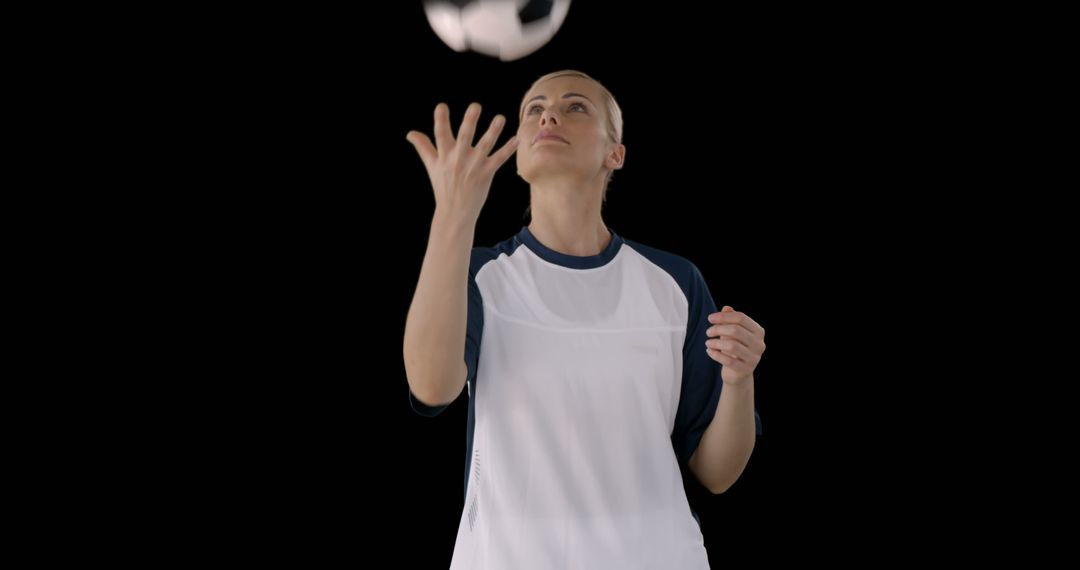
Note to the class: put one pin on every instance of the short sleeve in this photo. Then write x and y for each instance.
(701, 383)
(473, 331)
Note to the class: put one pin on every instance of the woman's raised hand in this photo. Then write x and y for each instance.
(461, 172)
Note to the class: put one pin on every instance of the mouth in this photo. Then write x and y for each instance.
(549, 137)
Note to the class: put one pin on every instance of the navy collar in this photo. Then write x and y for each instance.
(570, 261)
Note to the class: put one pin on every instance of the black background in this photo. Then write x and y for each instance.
(755, 148)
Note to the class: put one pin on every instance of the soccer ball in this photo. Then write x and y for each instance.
(506, 29)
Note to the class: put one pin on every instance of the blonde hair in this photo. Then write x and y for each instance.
(614, 114)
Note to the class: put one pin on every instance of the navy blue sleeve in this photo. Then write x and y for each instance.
(474, 329)
(701, 383)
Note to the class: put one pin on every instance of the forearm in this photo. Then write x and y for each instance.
(435, 327)
(728, 442)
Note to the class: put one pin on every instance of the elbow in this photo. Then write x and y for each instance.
(714, 482)
(718, 488)
(429, 397)
(723, 480)
(431, 387)
(424, 389)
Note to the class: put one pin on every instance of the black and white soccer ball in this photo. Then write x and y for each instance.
(506, 29)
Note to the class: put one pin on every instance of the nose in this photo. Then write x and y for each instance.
(548, 116)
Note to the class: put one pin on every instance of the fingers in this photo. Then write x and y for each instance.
(753, 342)
(736, 318)
(423, 146)
(445, 142)
(732, 348)
(488, 140)
(721, 357)
(734, 331)
(444, 137)
(468, 125)
(737, 343)
(504, 153)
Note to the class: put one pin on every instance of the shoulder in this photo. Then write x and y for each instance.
(680, 268)
(481, 256)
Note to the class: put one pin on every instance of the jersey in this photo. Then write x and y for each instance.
(588, 383)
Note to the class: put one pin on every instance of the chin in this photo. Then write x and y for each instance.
(524, 172)
(536, 173)
(545, 162)
(532, 170)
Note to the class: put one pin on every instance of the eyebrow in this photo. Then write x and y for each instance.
(565, 96)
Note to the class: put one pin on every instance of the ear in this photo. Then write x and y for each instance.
(616, 156)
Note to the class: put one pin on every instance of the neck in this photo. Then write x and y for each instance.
(566, 218)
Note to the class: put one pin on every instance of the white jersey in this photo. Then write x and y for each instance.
(588, 383)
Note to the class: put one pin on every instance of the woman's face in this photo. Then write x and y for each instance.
(563, 131)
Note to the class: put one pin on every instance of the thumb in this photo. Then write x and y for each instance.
(727, 309)
(423, 146)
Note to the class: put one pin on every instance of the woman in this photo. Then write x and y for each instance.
(594, 364)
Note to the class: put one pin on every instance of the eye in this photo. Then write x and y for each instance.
(577, 106)
(533, 109)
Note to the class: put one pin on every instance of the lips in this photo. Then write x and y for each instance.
(548, 136)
